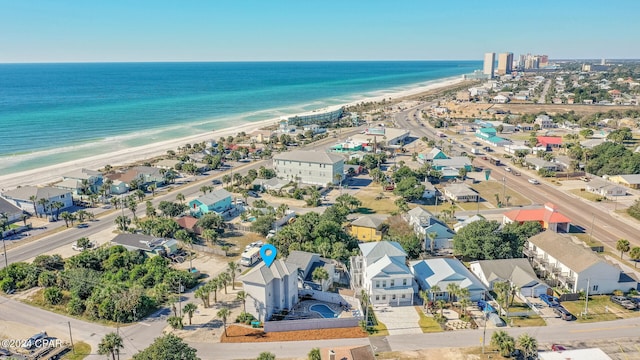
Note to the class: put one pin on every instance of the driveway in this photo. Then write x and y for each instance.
(399, 320)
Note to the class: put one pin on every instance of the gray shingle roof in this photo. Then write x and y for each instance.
(263, 275)
(518, 271)
(214, 196)
(460, 190)
(318, 157)
(302, 259)
(574, 256)
(631, 179)
(8, 208)
(373, 251)
(81, 174)
(24, 193)
(372, 222)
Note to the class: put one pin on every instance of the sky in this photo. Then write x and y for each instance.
(306, 30)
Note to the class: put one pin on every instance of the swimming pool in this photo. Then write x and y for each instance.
(323, 310)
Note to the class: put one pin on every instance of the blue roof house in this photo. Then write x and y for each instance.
(217, 201)
(444, 271)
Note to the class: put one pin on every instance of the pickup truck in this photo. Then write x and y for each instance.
(624, 302)
(551, 301)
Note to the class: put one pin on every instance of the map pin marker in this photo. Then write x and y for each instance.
(268, 253)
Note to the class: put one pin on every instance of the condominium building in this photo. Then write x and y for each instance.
(505, 62)
(489, 64)
(309, 167)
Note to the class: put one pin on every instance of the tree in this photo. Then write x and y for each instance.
(175, 322)
(623, 246)
(190, 308)
(233, 269)
(634, 255)
(528, 344)
(34, 201)
(266, 356)
(314, 354)
(424, 295)
(505, 343)
(434, 291)
(123, 222)
(223, 314)
(66, 216)
(242, 296)
(152, 188)
(453, 289)
(53, 295)
(111, 345)
(83, 243)
(132, 205)
(168, 347)
(320, 275)
(180, 197)
(503, 290)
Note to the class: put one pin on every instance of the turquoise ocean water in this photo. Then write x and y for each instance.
(51, 113)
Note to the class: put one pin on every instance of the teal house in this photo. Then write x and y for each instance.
(456, 163)
(217, 201)
(434, 154)
(490, 136)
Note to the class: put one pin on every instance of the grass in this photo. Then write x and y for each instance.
(371, 205)
(239, 240)
(586, 194)
(80, 351)
(488, 189)
(470, 206)
(427, 324)
(600, 309)
(590, 241)
(380, 330)
(525, 321)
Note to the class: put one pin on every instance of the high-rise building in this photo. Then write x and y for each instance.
(505, 62)
(489, 64)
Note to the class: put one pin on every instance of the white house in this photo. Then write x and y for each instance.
(22, 197)
(573, 266)
(605, 188)
(12, 212)
(310, 167)
(444, 271)
(461, 193)
(382, 273)
(544, 121)
(79, 179)
(517, 272)
(270, 289)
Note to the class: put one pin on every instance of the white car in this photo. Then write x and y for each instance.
(534, 181)
(507, 169)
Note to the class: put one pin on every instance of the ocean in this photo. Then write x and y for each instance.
(51, 113)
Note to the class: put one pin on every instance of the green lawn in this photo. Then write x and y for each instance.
(80, 351)
(488, 189)
(371, 203)
(524, 321)
(380, 330)
(470, 206)
(600, 309)
(586, 194)
(427, 324)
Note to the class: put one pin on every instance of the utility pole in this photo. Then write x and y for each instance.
(4, 246)
(586, 298)
(504, 188)
(484, 332)
(71, 338)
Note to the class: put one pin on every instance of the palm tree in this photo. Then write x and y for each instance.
(424, 295)
(432, 241)
(502, 290)
(233, 269)
(180, 198)
(139, 194)
(226, 179)
(453, 290)
(223, 314)
(506, 199)
(281, 211)
(57, 205)
(634, 255)
(242, 296)
(441, 304)
(34, 201)
(111, 344)
(505, 343)
(225, 279)
(66, 216)
(82, 214)
(528, 344)
(44, 202)
(152, 188)
(434, 291)
(175, 322)
(132, 205)
(123, 222)
(623, 246)
(214, 285)
(190, 308)
(464, 304)
(205, 189)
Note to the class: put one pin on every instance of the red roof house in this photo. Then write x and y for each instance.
(548, 216)
(189, 223)
(549, 141)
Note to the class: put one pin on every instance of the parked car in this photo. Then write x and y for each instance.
(82, 225)
(216, 182)
(507, 169)
(557, 347)
(34, 341)
(563, 313)
(533, 181)
(551, 301)
(253, 194)
(624, 302)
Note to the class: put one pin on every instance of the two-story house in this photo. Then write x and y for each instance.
(309, 167)
(307, 263)
(381, 271)
(270, 289)
(433, 234)
(81, 181)
(367, 228)
(544, 122)
(574, 266)
(27, 197)
(218, 201)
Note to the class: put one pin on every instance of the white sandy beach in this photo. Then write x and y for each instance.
(53, 173)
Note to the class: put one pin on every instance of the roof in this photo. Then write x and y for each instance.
(138, 241)
(497, 139)
(518, 271)
(631, 179)
(70, 183)
(487, 130)
(433, 153)
(456, 161)
(597, 183)
(460, 190)
(302, 259)
(418, 212)
(263, 274)
(8, 208)
(459, 225)
(549, 214)
(319, 157)
(25, 192)
(550, 140)
(542, 163)
(373, 251)
(442, 231)
(148, 170)
(349, 353)
(386, 266)
(187, 222)
(591, 354)
(214, 196)
(81, 174)
(574, 256)
(368, 221)
(443, 271)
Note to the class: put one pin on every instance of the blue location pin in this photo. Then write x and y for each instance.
(268, 253)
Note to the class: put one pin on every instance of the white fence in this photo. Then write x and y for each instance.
(309, 324)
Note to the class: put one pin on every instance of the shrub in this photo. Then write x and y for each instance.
(53, 295)
(245, 318)
(75, 306)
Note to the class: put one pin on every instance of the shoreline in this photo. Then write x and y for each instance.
(51, 173)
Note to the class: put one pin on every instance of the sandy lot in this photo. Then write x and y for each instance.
(240, 334)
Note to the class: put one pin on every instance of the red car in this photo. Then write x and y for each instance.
(556, 347)
(389, 187)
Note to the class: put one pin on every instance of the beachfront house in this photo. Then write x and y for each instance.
(144, 175)
(12, 212)
(81, 181)
(217, 201)
(270, 289)
(309, 167)
(381, 272)
(574, 266)
(29, 197)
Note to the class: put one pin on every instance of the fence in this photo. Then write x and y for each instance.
(208, 250)
(309, 324)
(239, 227)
